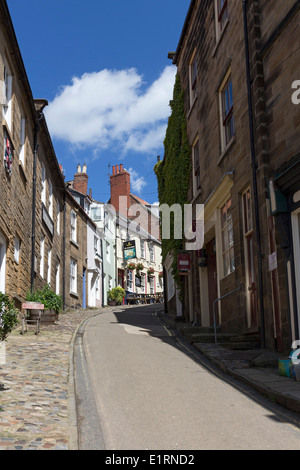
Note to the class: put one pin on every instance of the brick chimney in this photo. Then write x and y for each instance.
(81, 180)
(120, 186)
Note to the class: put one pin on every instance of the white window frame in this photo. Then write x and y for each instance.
(151, 252)
(50, 199)
(49, 261)
(73, 276)
(73, 226)
(143, 251)
(57, 279)
(221, 16)
(42, 257)
(58, 217)
(17, 249)
(226, 115)
(227, 240)
(129, 280)
(43, 189)
(152, 284)
(2, 263)
(22, 139)
(7, 94)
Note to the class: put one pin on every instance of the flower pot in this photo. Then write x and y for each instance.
(112, 303)
(48, 317)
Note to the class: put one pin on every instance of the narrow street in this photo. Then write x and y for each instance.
(139, 388)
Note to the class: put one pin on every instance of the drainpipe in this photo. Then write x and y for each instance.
(254, 177)
(35, 148)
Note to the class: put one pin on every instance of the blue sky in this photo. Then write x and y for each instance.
(104, 69)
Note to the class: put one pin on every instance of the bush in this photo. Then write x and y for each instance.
(8, 316)
(47, 297)
(116, 294)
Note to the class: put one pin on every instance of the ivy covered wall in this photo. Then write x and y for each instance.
(173, 172)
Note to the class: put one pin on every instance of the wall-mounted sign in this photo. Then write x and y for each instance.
(129, 249)
(184, 262)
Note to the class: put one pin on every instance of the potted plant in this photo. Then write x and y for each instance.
(115, 295)
(131, 266)
(8, 316)
(150, 271)
(139, 267)
(52, 303)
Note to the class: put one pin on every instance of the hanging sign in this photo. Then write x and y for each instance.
(129, 249)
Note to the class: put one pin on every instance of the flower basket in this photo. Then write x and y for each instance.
(139, 266)
(161, 274)
(150, 271)
(131, 266)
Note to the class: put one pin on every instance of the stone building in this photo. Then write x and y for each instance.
(237, 62)
(43, 230)
(31, 182)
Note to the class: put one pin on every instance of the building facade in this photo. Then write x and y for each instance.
(237, 70)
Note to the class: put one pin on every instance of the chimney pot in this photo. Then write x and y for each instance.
(114, 170)
(117, 168)
(78, 168)
(121, 167)
(84, 168)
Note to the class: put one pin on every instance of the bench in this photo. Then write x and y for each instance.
(25, 320)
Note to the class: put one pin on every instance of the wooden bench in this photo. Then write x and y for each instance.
(25, 320)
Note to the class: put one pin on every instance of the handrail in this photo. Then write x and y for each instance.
(214, 311)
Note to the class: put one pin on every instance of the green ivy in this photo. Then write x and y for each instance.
(173, 173)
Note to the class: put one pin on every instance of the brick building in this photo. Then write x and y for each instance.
(237, 61)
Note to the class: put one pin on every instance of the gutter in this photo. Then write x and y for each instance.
(254, 178)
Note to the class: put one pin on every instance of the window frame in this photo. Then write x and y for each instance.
(196, 168)
(193, 78)
(73, 225)
(73, 276)
(226, 103)
(227, 239)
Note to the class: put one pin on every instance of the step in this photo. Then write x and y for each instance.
(247, 338)
(241, 346)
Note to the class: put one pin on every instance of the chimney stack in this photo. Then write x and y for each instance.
(80, 183)
(120, 186)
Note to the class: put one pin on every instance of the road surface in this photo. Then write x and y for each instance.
(140, 388)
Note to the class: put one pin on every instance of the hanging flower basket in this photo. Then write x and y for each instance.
(131, 266)
(150, 271)
(139, 266)
(161, 274)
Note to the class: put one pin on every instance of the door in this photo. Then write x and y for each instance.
(2, 264)
(212, 279)
(251, 291)
(84, 288)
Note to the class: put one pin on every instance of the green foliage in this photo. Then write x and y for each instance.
(117, 294)
(8, 316)
(47, 297)
(173, 173)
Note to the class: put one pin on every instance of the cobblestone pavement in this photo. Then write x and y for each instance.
(35, 386)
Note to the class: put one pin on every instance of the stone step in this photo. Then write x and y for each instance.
(247, 338)
(241, 346)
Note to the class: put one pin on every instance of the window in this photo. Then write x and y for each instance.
(8, 153)
(43, 190)
(42, 256)
(227, 239)
(50, 202)
(227, 124)
(107, 251)
(57, 276)
(22, 140)
(7, 93)
(129, 280)
(221, 16)
(73, 276)
(96, 243)
(143, 283)
(96, 213)
(196, 163)
(58, 217)
(73, 226)
(152, 281)
(151, 251)
(49, 266)
(17, 249)
(193, 78)
(142, 242)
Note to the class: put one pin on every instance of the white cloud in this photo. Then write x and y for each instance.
(112, 107)
(137, 182)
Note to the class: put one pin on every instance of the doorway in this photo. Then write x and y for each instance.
(212, 279)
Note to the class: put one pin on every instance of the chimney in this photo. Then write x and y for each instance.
(80, 183)
(120, 186)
